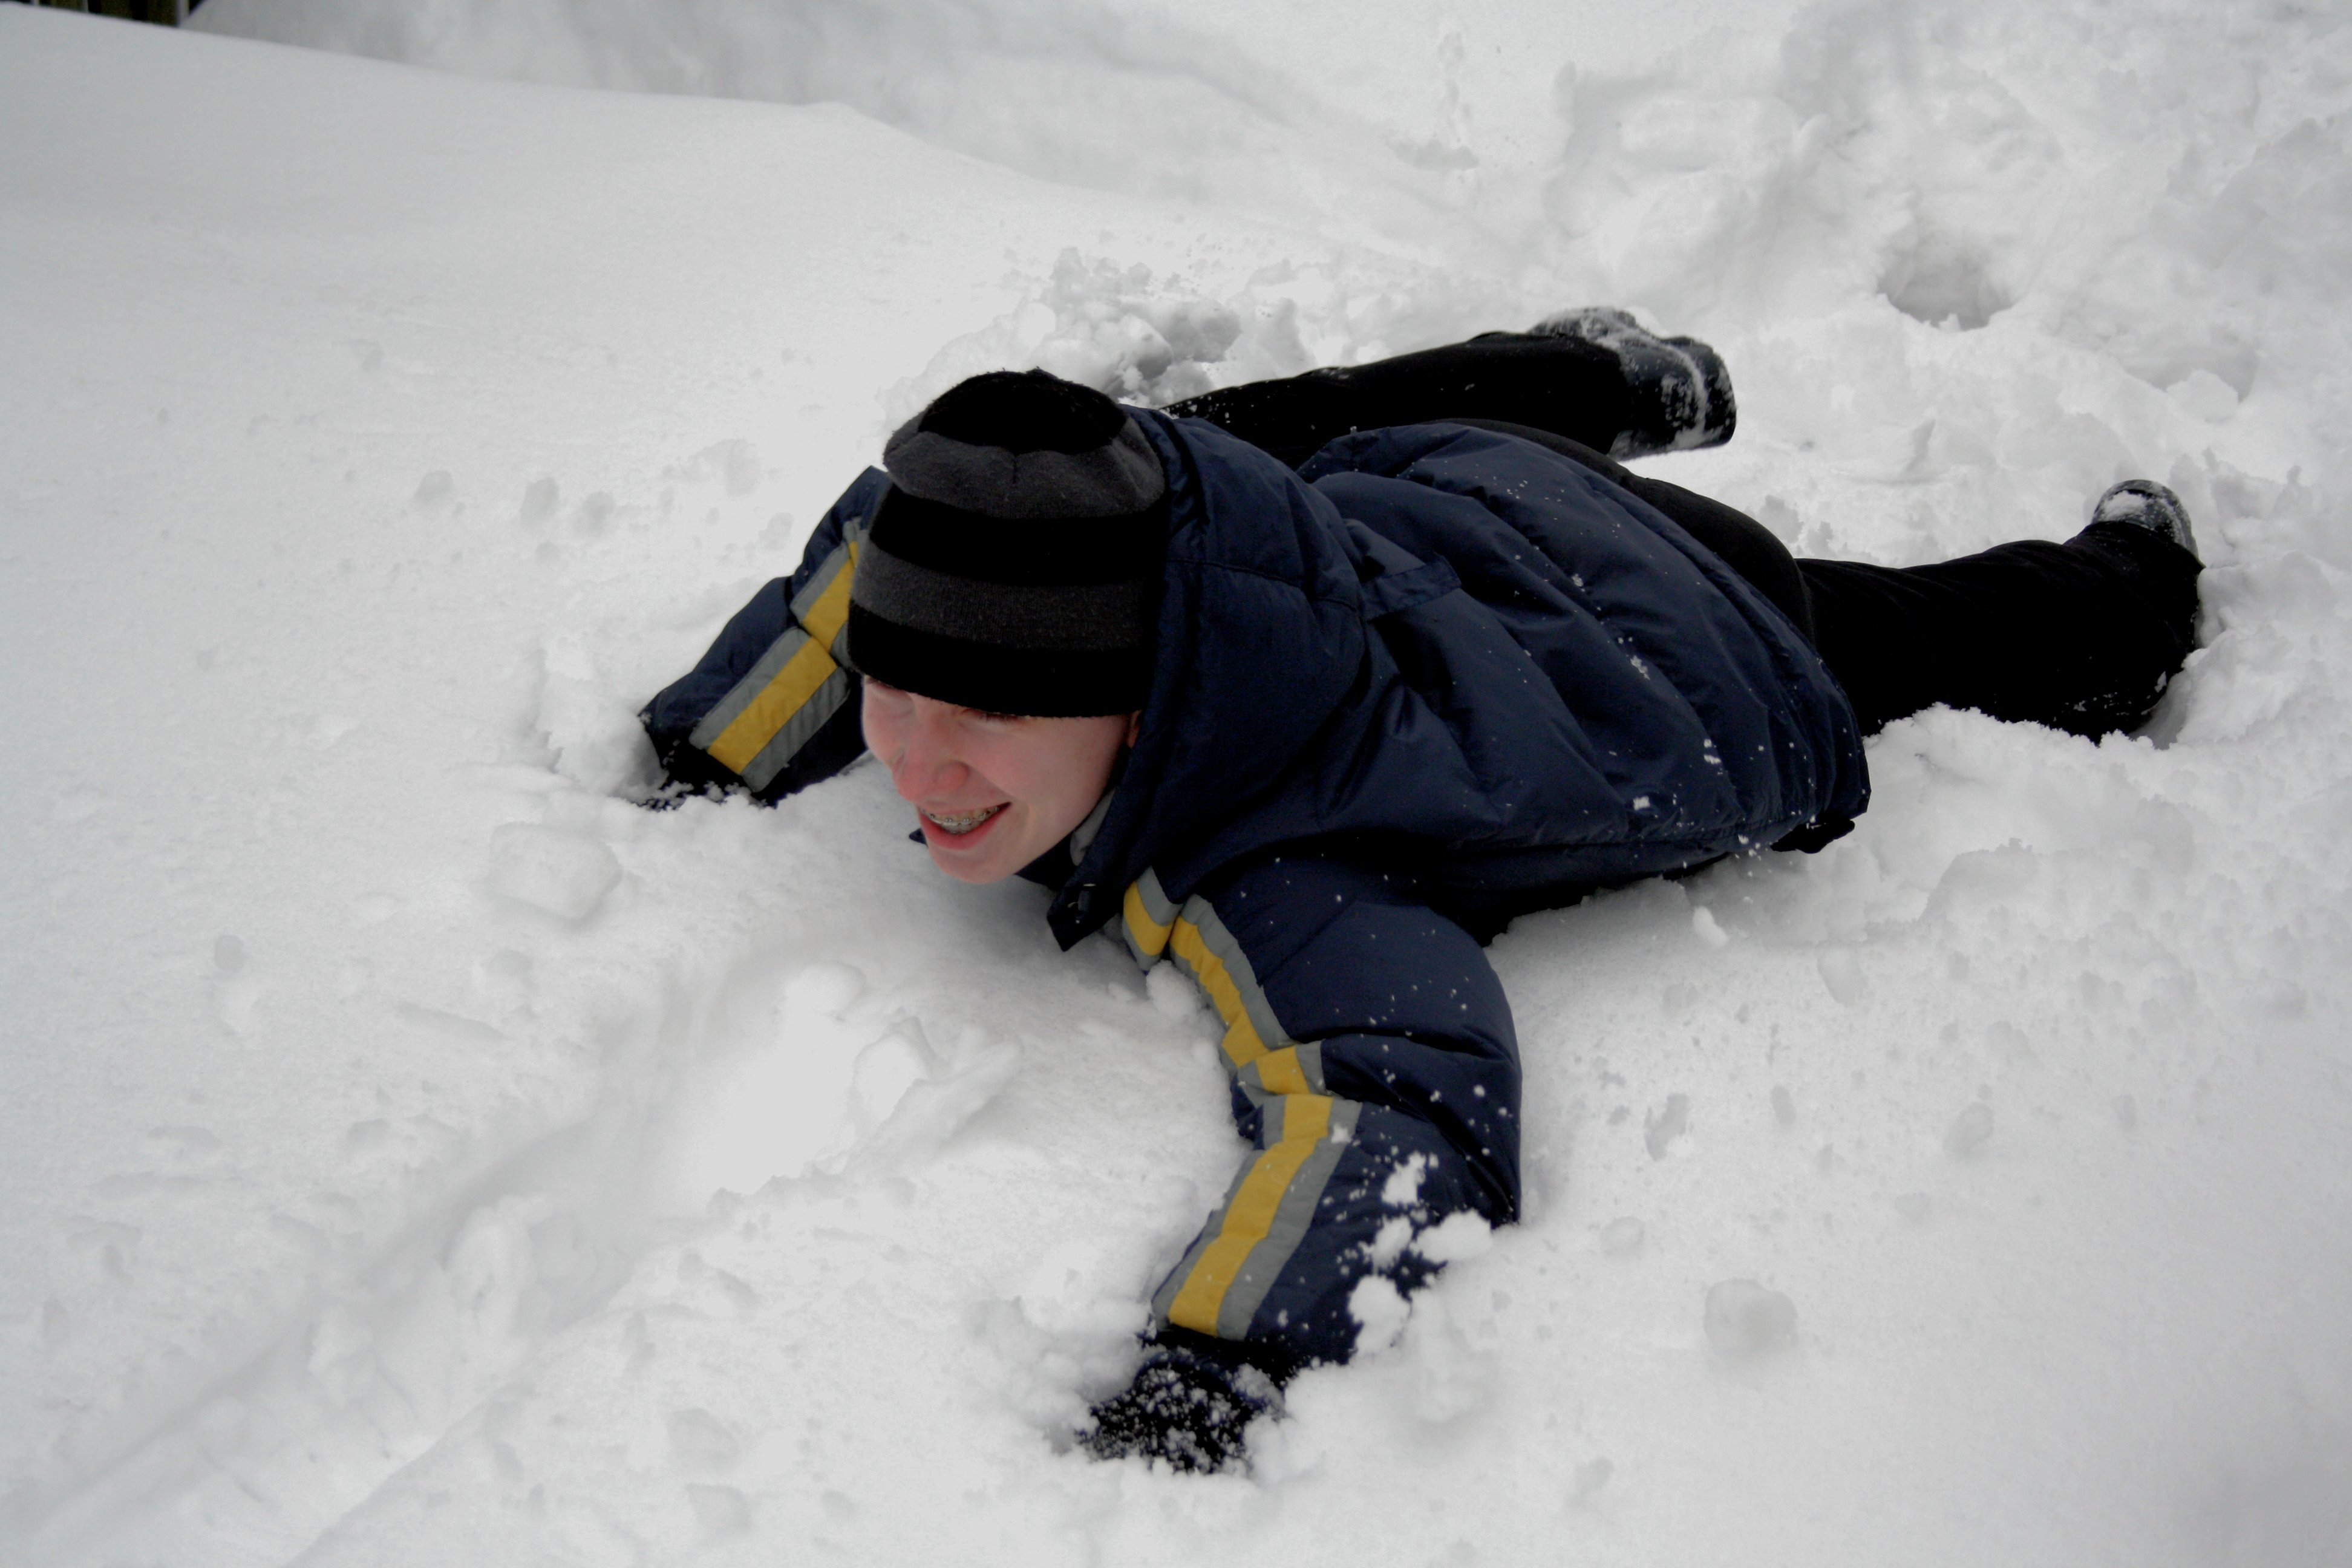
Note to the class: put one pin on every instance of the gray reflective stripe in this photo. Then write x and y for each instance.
(1156, 905)
(1269, 1133)
(1164, 1298)
(1292, 1219)
(1250, 1079)
(1082, 836)
(740, 695)
(1220, 941)
(813, 589)
(798, 730)
(1266, 1260)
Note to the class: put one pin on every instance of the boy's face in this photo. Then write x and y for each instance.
(991, 791)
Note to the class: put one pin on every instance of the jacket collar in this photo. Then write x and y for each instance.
(1259, 635)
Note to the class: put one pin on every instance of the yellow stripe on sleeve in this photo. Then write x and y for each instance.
(1279, 1072)
(1243, 1046)
(823, 623)
(794, 684)
(1306, 1120)
(1147, 935)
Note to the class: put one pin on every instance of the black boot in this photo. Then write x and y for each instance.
(1680, 390)
(2146, 504)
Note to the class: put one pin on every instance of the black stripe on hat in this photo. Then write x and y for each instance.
(1043, 683)
(1072, 618)
(1098, 548)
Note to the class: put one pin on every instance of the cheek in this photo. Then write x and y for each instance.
(1060, 780)
(1026, 776)
(1007, 770)
(881, 727)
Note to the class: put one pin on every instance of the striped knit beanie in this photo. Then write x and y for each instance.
(1013, 564)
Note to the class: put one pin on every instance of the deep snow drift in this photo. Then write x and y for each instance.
(415, 1152)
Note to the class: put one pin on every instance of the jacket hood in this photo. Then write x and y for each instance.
(1260, 613)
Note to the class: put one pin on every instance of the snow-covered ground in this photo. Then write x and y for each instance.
(414, 1152)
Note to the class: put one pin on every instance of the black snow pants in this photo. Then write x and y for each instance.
(2082, 636)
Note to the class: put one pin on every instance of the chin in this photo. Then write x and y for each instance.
(978, 874)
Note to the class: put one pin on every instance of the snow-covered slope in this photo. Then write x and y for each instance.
(414, 1152)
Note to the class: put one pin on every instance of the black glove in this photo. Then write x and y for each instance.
(1184, 1407)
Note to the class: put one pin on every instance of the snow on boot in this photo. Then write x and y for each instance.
(2144, 504)
(1681, 393)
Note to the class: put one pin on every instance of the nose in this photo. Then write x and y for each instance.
(927, 766)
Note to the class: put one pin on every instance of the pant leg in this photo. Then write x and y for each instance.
(1562, 393)
(1564, 385)
(2082, 636)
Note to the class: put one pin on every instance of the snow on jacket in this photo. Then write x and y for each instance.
(1438, 676)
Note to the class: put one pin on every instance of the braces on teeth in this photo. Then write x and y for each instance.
(965, 823)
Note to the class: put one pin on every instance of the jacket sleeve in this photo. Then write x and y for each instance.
(772, 707)
(1374, 1071)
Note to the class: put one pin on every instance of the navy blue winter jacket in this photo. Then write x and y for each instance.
(1438, 676)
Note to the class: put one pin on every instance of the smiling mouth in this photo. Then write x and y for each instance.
(956, 826)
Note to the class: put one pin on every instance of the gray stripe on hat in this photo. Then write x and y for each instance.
(1121, 476)
(1094, 618)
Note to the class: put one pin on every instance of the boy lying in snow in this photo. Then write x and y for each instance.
(1314, 733)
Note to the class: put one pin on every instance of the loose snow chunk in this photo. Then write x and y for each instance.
(1841, 976)
(1403, 1189)
(700, 1442)
(540, 499)
(1969, 1131)
(2204, 395)
(1456, 1237)
(721, 1512)
(1744, 1318)
(566, 874)
(1663, 1126)
(1623, 1237)
(1175, 997)
(1381, 1312)
(886, 1071)
(1390, 1241)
